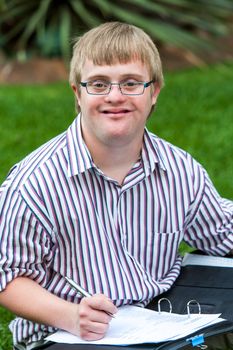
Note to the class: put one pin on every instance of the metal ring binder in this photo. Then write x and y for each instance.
(164, 299)
(188, 306)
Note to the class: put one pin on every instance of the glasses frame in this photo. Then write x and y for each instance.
(144, 84)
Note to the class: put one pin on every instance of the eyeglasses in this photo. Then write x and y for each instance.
(100, 87)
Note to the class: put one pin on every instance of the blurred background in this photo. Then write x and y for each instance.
(187, 32)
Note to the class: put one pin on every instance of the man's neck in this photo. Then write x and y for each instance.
(116, 162)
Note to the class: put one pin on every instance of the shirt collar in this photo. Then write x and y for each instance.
(151, 154)
(80, 160)
(79, 157)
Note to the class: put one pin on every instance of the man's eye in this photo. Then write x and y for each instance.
(99, 84)
(130, 84)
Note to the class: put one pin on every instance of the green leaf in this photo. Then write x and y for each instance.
(64, 33)
(13, 32)
(2, 5)
(49, 43)
(152, 7)
(16, 12)
(34, 21)
(157, 29)
(84, 14)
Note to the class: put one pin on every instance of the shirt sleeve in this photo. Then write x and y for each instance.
(9, 178)
(26, 248)
(210, 226)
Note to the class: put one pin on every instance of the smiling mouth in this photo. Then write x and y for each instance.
(122, 111)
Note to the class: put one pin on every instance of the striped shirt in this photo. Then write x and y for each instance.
(61, 216)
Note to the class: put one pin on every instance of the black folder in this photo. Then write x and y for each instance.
(205, 289)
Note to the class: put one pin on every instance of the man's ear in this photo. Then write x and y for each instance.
(155, 93)
(76, 92)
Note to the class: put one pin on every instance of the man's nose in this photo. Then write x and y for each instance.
(115, 92)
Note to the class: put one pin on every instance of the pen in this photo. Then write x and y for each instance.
(78, 288)
(83, 292)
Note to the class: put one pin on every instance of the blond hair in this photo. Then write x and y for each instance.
(115, 42)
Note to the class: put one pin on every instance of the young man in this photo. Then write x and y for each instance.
(106, 203)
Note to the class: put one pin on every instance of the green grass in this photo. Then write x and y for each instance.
(5, 336)
(30, 115)
(194, 111)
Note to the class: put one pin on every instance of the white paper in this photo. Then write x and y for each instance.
(135, 325)
(206, 260)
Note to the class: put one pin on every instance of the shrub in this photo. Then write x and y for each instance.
(46, 26)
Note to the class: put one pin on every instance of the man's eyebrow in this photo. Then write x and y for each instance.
(121, 77)
(98, 77)
(137, 76)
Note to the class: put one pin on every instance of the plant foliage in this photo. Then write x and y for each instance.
(47, 26)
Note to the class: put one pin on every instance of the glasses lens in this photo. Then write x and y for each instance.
(98, 87)
(132, 88)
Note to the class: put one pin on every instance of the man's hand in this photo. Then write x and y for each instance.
(93, 316)
(29, 300)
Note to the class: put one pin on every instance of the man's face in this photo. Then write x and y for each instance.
(114, 119)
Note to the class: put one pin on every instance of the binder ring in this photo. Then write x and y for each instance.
(188, 306)
(164, 299)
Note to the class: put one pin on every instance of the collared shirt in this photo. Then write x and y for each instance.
(61, 216)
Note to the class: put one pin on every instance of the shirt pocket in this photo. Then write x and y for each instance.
(161, 253)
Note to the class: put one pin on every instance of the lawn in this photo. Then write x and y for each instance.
(194, 111)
